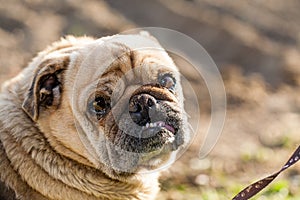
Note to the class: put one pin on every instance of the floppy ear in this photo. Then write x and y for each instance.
(45, 90)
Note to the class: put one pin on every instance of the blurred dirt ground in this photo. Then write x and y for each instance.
(255, 44)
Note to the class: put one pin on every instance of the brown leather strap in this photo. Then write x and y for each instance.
(256, 187)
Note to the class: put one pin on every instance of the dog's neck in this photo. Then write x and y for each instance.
(34, 169)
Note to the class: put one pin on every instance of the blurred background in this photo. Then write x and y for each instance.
(255, 44)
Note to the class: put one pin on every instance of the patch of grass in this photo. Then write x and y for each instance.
(181, 188)
(279, 190)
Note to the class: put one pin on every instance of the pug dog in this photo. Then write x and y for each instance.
(91, 119)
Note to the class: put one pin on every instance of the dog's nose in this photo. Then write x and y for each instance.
(139, 107)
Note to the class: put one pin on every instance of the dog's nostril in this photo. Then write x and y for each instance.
(139, 108)
(150, 102)
(134, 108)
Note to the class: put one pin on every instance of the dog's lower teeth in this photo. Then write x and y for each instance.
(154, 124)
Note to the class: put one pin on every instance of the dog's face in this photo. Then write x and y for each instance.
(110, 105)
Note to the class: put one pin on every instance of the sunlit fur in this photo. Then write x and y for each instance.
(43, 155)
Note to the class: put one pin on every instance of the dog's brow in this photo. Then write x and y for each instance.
(112, 71)
(107, 83)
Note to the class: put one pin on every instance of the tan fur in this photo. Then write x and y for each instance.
(43, 156)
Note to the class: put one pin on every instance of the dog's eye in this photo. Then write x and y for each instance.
(100, 106)
(167, 81)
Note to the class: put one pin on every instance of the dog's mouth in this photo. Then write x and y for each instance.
(148, 147)
(151, 137)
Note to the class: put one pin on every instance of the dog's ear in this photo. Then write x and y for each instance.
(45, 89)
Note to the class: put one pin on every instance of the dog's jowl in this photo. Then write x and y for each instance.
(91, 119)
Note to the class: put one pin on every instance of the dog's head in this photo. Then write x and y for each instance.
(115, 103)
